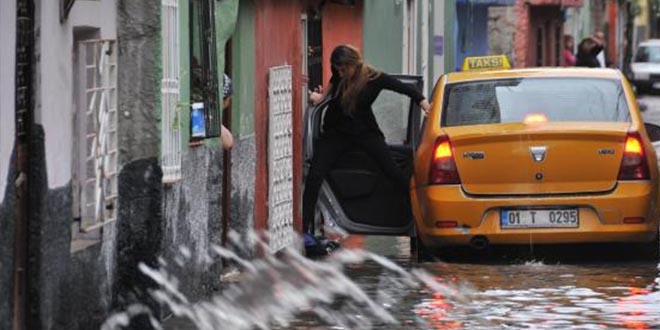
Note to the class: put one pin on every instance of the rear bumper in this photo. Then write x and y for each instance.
(601, 217)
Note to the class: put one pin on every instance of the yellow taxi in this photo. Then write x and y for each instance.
(505, 156)
(535, 156)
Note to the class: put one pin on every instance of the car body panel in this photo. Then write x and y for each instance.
(573, 161)
(598, 214)
(575, 175)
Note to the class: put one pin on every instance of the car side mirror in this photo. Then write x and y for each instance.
(653, 131)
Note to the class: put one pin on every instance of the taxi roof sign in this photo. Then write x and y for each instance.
(480, 63)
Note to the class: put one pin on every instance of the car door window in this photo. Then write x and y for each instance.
(391, 111)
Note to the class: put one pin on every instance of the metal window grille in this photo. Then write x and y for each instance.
(170, 121)
(204, 73)
(99, 172)
(280, 156)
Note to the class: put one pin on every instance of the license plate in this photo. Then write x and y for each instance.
(559, 218)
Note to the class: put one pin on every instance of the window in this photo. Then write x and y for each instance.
(95, 167)
(170, 123)
(648, 54)
(205, 117)
(556, 99)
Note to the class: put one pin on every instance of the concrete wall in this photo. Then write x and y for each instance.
(7, 72)
(501, 29)
(7, 118)
(139, 227)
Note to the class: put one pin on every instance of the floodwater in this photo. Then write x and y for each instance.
(601, 289)
(380, 286)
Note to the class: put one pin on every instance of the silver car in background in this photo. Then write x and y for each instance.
(646, 66)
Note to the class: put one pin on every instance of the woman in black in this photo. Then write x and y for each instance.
(349, 121)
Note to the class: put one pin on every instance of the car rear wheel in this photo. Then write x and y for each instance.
(651, 250)
(418, 251)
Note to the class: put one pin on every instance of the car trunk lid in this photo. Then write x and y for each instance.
(540, 158)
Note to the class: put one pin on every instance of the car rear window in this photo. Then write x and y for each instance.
(525, 99)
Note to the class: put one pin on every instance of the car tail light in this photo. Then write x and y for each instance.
(633, 164)
(443, 167)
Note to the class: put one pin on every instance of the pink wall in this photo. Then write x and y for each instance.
(277, 42)
(341, 25)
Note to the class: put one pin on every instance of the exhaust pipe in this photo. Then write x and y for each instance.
(479, 242)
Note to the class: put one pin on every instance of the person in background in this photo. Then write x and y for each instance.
(350, 122)
(225, 133)
(586, 54)
(601, 56)
(569, 57)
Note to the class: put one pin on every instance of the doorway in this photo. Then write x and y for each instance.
(545, 41)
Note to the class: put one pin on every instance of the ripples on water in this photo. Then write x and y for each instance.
(357, 289)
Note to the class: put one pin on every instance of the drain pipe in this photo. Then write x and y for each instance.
(24, 119)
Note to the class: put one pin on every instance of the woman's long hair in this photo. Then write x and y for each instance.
(350, 87)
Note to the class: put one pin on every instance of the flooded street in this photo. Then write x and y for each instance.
(563, 287)
(591, 290)
(604, 293)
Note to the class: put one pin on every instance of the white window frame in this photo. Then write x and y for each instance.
(170, 92)
(98, 125)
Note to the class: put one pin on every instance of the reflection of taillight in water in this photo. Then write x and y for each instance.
(633, 312)
(633, 164)
(443, 167)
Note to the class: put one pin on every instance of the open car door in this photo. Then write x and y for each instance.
(356, 194)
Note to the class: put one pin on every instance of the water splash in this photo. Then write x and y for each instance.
(272, 291)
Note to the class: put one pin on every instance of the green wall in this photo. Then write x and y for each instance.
(383, 34)
(449, 39)
(226, 13)
(225, 22)
(184, 79)
(243, 50)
